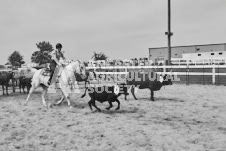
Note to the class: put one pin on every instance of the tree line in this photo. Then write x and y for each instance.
(42, 56)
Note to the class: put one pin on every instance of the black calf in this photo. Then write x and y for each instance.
(106, 93)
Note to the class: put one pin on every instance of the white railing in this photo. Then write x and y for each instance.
(187, 67)
(157, 67)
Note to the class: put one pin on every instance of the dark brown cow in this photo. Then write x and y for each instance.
(147, 80)
(5, 77)
(24, 82)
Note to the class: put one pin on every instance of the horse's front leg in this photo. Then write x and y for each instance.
(61, 99)
(33, 87)
(43, 96)
(65, 93)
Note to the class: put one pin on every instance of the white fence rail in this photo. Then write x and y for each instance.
(156, 67)
(187, 67)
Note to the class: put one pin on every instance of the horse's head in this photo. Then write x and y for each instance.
(79, 68)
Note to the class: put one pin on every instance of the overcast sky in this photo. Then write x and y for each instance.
(122, 29)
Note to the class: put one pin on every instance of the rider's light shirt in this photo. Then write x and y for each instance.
(57, 56)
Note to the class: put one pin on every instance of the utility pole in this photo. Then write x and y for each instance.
(169, 33)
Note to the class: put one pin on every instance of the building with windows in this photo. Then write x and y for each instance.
(192, 52)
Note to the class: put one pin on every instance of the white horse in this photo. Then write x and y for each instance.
(66, 76)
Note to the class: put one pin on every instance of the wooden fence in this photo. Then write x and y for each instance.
(199, 74)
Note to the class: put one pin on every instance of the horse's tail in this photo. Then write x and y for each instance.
(29, 72)
(35, 80)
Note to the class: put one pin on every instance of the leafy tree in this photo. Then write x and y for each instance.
(42, 56)
(16, 59)
(99, 56)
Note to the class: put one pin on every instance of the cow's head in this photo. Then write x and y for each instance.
(166, 79)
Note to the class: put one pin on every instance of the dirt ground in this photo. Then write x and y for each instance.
(182, 118)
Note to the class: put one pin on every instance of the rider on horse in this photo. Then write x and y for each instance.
(57, 58)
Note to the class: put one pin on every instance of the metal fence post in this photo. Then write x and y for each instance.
(218, 75)
(187, 75)
(213, 75)
(203, 75)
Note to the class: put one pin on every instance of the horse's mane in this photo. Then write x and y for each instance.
(79, 61)
(71, 61)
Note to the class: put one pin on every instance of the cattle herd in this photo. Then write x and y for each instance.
(101, 93)
(14, 79)
(5, 77)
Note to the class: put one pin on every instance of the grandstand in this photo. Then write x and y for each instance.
(201, 58)
(190, 55)
(118, 62)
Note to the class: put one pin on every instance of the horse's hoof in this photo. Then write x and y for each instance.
(117, 108)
